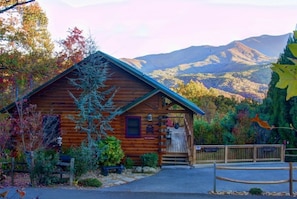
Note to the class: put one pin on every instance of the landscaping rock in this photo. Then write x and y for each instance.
(138, 170)
(149, 170)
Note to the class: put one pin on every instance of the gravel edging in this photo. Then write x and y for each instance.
(245, 193)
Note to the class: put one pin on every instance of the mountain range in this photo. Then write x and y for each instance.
(240, 69)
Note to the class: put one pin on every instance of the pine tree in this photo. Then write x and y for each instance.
(95, 103)
(281, 113)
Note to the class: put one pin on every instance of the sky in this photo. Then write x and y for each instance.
(133, 28)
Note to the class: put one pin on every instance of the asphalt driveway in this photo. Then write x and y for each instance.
(176, 181)
(201, 180)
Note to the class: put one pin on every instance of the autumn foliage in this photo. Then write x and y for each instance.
(73, 49)
(263, 124)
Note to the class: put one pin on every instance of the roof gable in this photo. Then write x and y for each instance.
(185, 102)
(133, 71)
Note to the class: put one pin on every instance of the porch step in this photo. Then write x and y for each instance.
(175, 159)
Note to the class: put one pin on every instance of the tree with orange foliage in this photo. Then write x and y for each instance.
(26, 50)
(74, 49)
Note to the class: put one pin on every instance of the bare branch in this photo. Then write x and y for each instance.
(14, 5)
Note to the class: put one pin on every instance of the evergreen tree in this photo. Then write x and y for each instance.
(95, 103)
(275, 107)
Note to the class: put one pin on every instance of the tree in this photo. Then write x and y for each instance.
(5, 125)
(8, 5)
(37, 131)
(242, 130)
(26, 50)
(74, 49)
(280, 109)
(95, 103)
(192, 90)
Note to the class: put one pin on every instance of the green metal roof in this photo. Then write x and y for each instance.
(133, 71)
(183, 101)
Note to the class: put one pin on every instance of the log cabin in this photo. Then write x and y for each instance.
(153, 119)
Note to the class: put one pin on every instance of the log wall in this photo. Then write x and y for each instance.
(55, 99)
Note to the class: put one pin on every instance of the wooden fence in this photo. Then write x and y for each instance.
(238, 153)
(290, 179)
(13, 167)
(291, 154)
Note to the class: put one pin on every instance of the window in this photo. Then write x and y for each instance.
(51, 129)
(133, 126)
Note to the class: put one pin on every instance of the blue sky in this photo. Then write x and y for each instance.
(131, 28)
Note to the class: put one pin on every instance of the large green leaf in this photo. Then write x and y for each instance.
(287, 78)
(293, 49)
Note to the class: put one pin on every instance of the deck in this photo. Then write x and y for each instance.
(178, 142)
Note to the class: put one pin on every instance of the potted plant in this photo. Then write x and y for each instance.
(111, 154)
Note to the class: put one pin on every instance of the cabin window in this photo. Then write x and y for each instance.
(51, 129)
(133, 126)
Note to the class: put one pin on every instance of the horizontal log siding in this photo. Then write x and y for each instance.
(55, 99)
(147, 142)
(128, 87)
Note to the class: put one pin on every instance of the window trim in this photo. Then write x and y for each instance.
(126, 126)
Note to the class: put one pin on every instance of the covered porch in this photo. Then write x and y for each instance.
(179, 145)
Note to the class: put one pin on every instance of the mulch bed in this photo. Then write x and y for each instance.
(20, 180)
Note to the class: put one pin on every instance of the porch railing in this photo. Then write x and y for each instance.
(190, 142)
(238, 153)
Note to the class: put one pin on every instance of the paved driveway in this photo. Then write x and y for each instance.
(183, 182)
(201, 180)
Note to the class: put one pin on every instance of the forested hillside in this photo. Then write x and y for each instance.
(229, 121)
(240, 67)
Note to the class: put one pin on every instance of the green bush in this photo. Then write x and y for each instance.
(90, 182)
(111, 151)
(149, 159)
(45, 162)
(129, 163)
(255, 191)
(85, 159)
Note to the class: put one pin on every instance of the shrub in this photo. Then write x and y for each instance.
(85, 159)
(255, 191)
(45, 162)
(111, 151)
(149, 159)
(90, 182)
(129, 163)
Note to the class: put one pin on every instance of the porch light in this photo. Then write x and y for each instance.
(149, 117)
(59, 141)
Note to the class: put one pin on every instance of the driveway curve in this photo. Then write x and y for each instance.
(200, 179)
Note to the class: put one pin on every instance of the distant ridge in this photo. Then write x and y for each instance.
(244, 61)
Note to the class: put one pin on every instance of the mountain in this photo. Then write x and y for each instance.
(241, 67)
(271, 46)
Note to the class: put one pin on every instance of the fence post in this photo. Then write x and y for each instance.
(291, 178)
(282, 153)
(255, 153)
(214, 177)
(12, 170)
(71, 171)
(226, 154)
(194, 155)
